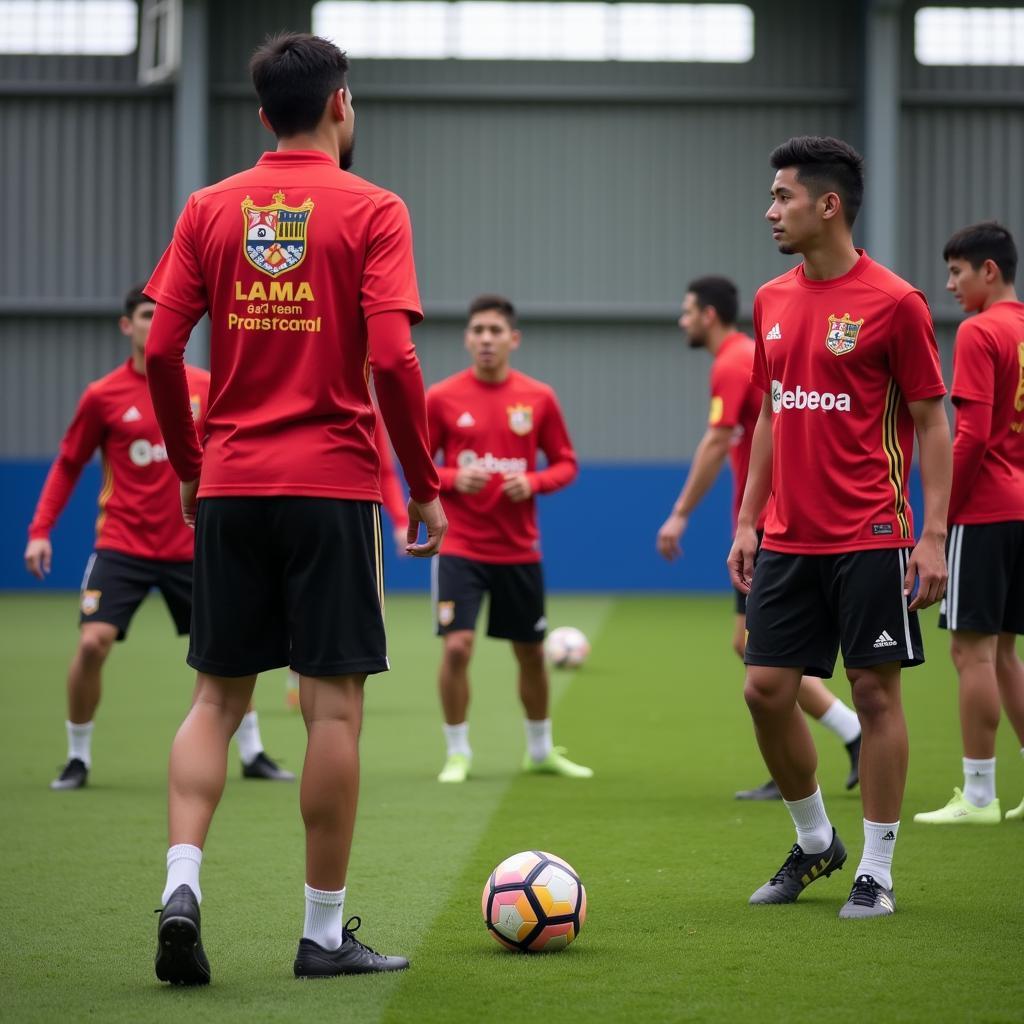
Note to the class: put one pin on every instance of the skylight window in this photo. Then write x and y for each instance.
(969, 35)
(69, 26)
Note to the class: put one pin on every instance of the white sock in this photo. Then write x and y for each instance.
(979, 780)
(291, 681)
(843, 721)
(879, 843)
(813, 829)
(183, 869)
(538, 739)
(457, 739)
(250, 743)
(324, 912)
(80, 742)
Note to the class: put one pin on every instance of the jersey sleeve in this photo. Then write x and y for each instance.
(178, 281)
(730, 385)
(759, 374)
(389, 273)
(435, 426)
(83, 436)
(974, 365)
(913, 351)
(555, 443)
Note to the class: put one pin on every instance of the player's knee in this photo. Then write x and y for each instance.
(530, 656)
(873, 697)
(94, 647)
(965, 653)
(762, 697)
(1008, 661)
(458, 649)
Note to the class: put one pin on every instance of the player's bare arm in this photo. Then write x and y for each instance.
(431, 514)
(928, 559)
(759, 480)
(189, 489)
(708, 459)
(38, 556)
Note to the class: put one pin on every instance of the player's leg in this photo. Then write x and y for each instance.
(818, 701)
(1010, 673)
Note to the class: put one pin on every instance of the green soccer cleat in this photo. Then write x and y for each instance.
(556, 763)
(960, 811)
(1017, 813)
(456, 768)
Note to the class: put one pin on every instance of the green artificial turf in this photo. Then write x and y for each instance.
(667, 856)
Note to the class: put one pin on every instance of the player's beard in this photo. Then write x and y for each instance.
(347, 157)
(787, 250)
(694, 342)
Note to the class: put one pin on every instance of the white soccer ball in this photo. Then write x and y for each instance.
(566, 647)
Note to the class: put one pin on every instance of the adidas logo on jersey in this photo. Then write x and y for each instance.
(884, 640)
(775, 334)
(800, 399)
(465, 420)
(132, 415)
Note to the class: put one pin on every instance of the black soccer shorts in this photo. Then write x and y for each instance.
(516, 612)
(115, 584)
(985, 593)
(288, 581)
(802, 608)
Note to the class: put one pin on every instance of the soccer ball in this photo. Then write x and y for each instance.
(566, 647)
(534, 902)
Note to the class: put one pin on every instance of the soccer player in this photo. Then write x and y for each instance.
(708, 319)
(984, 606)
(307, 273)
(141, 542)
(489, 422)
(847, 360)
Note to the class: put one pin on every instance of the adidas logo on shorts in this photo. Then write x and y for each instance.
(884, 640)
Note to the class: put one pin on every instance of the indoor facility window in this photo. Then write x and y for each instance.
(969, 35)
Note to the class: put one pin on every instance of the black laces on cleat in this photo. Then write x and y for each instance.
(351, 926)
(790, 862)
(864, 892)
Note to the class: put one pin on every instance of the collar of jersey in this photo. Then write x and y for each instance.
(297, 156)
(852, 274)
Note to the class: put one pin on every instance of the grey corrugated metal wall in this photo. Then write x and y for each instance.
(590, 193)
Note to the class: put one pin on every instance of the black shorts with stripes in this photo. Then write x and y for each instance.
(288, 581)
(985, 593)
(802, 608)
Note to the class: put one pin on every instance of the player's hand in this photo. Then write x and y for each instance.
(471, 479)
(38, 556)
(741, 558)
(432, 516)
(398, 535)
(516, 487)
(669, 535)
(188, 501)
(927, 566)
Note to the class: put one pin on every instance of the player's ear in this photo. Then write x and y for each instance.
(517, 337)
(832, 205)
(125, 325)
(990, 271)
(264, 120)
(337, 105)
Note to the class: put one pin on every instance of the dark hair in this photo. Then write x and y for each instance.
(719, 293)
(988, 240)
(294, 74)
(135, 298)
(496, 302)
(824, 164)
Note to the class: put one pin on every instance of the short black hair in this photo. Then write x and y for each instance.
(136, 297)
(718, 292)
(498, 303)
(294, 74)
(988, 240)
(824, 164)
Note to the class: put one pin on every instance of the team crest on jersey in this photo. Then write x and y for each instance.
(842, 334)
(445, 612)
(91, 601)
(275, 235)
(520, 419)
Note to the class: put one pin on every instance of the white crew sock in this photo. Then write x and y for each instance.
(538, 739)
(250, 743)
(183, 869)
(879, 843)
(324, 912)
(80, 742)
(457, 739)
(843, 721)
(813, 829)
(979, 780)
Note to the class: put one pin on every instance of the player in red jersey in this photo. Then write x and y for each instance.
(984, 605)
(141, 542)
(488, 423)
(307, 273)
(847, 360)
(708, 320)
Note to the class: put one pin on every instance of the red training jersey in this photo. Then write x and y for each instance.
(988, 367)
(841, 359)
(499, 427)
(290, 258)
(735, 403)
(139, 502)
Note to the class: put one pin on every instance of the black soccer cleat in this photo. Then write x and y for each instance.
(798, 870)
(74, 775)
(769, 791)
(179, 949)
(263, 767)
(853, 749)
(351, 957)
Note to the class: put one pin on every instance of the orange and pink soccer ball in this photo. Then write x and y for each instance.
(534, 902)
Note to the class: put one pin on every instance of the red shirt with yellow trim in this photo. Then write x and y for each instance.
(841, 359)
(500, 427)
(735, 403)
(139, 502)
(988, 367)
